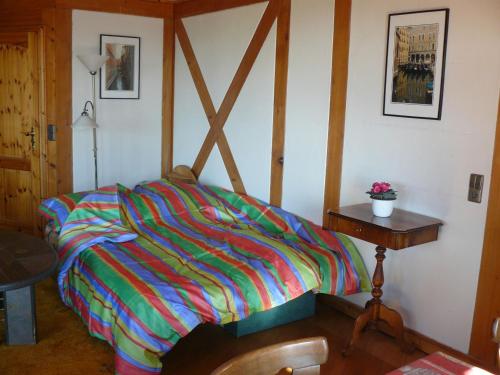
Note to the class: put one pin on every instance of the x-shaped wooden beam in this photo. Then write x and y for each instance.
(217, 120)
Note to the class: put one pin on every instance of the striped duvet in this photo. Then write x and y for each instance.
(144, 267)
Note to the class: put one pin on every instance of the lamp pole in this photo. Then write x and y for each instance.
(92, 62)
(94, 130)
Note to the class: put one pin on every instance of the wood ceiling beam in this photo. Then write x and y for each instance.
(197, 7)
(132, 7)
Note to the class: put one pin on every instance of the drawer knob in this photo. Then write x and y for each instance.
(358, 229)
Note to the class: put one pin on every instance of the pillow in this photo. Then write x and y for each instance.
(57, 209)
(176, 198)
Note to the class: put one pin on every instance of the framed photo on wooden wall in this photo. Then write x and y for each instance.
(415, 64)
(120, 75)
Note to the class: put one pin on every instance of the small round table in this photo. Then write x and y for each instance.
(24, 260)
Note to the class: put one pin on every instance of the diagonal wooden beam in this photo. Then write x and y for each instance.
(280, 91)
(239, 79)
(208, 106)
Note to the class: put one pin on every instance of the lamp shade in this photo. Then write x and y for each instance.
(92, 61)
(84, 122)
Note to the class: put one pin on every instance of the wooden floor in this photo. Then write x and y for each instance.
(65, 347)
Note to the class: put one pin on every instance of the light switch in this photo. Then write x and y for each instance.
(476, 188)
(51, 132)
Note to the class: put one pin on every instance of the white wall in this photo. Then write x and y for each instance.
(429, 162)
(129, 137)
(219, 41)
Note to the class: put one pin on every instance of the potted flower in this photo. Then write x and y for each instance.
(383, 197)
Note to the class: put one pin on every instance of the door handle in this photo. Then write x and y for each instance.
(31, 134)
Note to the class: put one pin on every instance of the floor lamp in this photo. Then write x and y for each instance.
(92, 62)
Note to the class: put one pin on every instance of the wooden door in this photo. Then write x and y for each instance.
(488, 290)
(19, 131)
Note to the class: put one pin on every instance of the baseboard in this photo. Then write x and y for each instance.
(421, 342)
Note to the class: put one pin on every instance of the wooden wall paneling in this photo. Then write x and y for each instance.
(488, 291)
(3, 139)
(280, 94)
(196, 7)
(3, 99)
(63, 99)
(167, 137)
(208, 106)
(340, 62)
(22, 15)
(132, 7)
(49, 155)
(237, 83)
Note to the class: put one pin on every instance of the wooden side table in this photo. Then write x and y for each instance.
(403, 229)
(24, 260)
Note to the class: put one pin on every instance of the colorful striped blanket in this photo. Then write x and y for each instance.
(144, 267)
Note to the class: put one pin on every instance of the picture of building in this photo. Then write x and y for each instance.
(414, 63)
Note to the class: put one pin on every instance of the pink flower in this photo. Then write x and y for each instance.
(377, 189)
(385, 186)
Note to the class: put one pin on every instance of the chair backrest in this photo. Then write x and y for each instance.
(303, 356)
(496, 338)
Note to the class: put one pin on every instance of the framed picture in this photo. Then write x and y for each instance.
(120, 75)
(415, 62)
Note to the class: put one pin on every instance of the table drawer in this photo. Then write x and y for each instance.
(363, 232)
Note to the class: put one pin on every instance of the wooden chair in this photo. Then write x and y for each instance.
(299, 357)
(496, 338)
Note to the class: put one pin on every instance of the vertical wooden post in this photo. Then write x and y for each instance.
(167, 146)
(63, 98)
(340, 63)
(280, 94)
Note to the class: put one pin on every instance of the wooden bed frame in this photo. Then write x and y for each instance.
(182, 173)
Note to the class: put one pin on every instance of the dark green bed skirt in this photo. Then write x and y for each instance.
(299, 308)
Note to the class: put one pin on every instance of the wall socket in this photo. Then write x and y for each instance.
(476, 188)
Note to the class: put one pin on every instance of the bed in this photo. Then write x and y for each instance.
(144, 267)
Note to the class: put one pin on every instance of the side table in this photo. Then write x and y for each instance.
(403, 229)
(24, 260)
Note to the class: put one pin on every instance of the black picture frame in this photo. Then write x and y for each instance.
(134, 94)
(408, 109)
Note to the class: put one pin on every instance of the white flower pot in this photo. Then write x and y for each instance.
(382, 208)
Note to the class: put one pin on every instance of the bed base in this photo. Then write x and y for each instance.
(297, 309)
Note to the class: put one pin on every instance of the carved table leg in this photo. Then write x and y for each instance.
(360, 323)
(375, 310)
